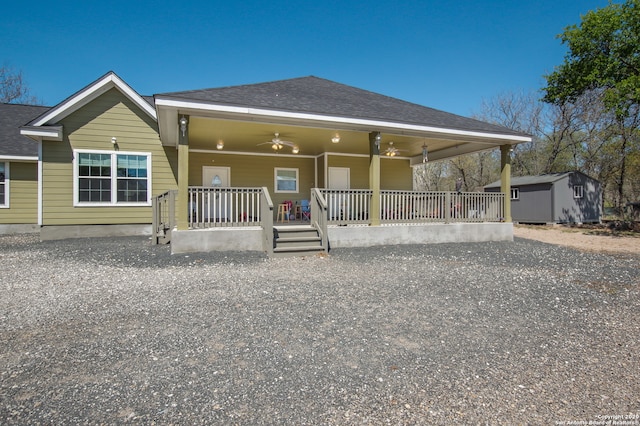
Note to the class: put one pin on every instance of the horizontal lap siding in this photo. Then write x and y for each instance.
(23, 195)
(358, 169)
(92, 127)
(396, 174)
(256, 171)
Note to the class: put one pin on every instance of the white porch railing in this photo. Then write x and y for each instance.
(237, 207)
(352, 206)
(219, 207)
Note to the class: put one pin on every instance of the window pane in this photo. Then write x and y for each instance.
(95, 190)
(132, 178)
(286, 180)
(2, 194)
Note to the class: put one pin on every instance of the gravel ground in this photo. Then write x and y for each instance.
(119, 331)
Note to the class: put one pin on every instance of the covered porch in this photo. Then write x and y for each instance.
(243, 152)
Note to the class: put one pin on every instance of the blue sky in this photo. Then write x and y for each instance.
(442, 54)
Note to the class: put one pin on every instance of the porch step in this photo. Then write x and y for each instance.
(296, 241)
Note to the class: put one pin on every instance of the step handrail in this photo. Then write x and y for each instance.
(319, 216)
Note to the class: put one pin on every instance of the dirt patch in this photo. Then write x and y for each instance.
(593, 238)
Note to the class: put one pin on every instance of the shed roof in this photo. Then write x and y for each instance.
(324, 97)
(12, 117)
(535, 180)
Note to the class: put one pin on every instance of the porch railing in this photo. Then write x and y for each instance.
(164, 218)
(238, 207)
(319, 216)
(352, 206)
(219, 207)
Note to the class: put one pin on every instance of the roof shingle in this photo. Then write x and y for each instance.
(12, 117)
(324, 97)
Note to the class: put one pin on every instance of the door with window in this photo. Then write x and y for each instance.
(217, 204)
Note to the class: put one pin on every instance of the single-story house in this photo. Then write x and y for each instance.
(569, 197)
(233, 168)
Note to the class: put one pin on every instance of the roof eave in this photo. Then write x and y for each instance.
(170, 107)
(39, 133)
(89, 93)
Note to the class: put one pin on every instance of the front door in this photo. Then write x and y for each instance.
(215, 176)
(339, 178)
(216, 208)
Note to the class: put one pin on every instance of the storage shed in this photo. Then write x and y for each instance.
(569, 197)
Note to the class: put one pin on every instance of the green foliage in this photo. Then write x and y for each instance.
(604, 53)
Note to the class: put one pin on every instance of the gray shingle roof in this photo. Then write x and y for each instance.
(532, 180)
(12, 116)
(319, 96)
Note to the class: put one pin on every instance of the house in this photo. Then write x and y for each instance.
(213, 169)
(569, 197)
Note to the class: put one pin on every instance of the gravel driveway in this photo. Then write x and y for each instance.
(119, 331)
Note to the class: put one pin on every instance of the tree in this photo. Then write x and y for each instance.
(13, 88)
(604, 58)
(604, 53)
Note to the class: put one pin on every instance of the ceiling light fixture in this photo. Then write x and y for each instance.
(425, 153)
(336, 138)
(220, 144)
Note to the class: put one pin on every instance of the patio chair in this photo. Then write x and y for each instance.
(305, 210)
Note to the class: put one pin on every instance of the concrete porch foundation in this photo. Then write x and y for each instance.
(431, 233)
(220, 239)
(251, 239)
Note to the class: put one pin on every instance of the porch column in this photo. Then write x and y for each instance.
(505, 179)
(374, 177)
(182, 216)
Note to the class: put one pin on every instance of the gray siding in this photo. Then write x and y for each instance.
(569, 209)
(534, 205)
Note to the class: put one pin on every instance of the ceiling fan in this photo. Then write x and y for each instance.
(277, 144)
(391, 150)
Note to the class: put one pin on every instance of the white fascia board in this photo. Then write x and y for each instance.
(18, 158)
(91, 92)
(369, 124)
(37, 133)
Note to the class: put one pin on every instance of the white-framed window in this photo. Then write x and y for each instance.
(286, 180)
(578, 191)
(515, 193)
(108, 178)
(4, 185)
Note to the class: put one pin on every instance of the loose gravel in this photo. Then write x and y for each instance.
(115, 330)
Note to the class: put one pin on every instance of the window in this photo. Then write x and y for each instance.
(578, 191)
(4, 184)
(110, 178)
(286, 180)
(515, 193)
